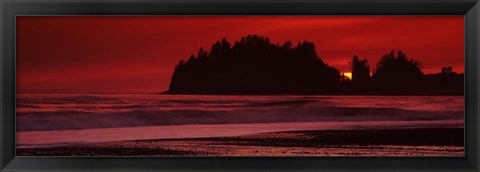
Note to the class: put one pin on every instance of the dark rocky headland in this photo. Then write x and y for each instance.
(255, 66)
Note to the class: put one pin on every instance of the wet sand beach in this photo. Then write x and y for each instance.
(367, 142)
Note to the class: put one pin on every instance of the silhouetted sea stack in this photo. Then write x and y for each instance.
(254, 66)
(398, 75)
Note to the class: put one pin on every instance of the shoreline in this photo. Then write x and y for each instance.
(66, 137)
(365, 142)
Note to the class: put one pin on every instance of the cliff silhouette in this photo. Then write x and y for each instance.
(397, 74)
(255, 66)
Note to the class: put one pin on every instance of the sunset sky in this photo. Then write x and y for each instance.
(107, 54)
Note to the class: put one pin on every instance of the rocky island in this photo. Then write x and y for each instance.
(255, 66)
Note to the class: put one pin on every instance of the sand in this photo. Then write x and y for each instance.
(369, 142)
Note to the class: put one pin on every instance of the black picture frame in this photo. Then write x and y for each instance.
(9, 9)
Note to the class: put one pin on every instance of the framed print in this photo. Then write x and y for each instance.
(255, 85)
(80, 92)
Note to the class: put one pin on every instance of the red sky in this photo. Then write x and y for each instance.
(107, 54)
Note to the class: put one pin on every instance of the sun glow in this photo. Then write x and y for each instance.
(348, 75)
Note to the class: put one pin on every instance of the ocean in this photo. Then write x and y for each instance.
(72, 119)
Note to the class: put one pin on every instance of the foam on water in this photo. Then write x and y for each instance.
(39, 114)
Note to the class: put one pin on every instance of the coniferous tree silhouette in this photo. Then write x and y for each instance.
(398, 74)
(447, 82)
(360, 74)
(253, 65)
(447, 69)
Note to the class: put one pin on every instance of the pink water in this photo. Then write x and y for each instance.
(68, 119)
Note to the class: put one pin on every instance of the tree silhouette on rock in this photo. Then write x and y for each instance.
(254, 65)
(446, 82)
(396, 74)
(360, 74)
